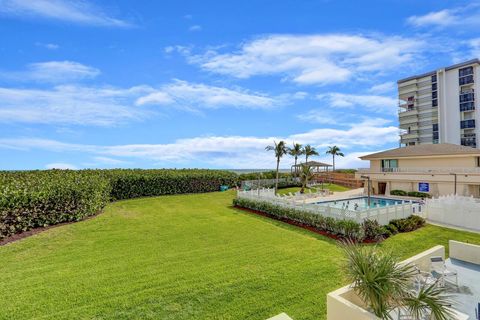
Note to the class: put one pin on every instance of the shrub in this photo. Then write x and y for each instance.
(347, 229)
(418, 194)
(408, 224)
(398, 193)
(373, 230)
(391, 228)
(40, 198)
(30, 199)
(128, 184)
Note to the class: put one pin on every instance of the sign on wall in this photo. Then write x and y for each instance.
(423, 186)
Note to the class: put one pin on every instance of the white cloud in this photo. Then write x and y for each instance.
(108, 161)
(312, 59)
(321, 116)
(70, 105)
(224, 151)
(49, 46)
(438, 18)
(474, 47)
(195, 28)
(75, 11)
(182, 94)
(465, 16)
(60, 165)
(386, 87)
(53, 71)
(374, 103)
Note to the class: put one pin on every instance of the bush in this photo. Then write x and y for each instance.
(30, 199)
(408, 224)
(398, 193)
(391, 228)
(418, 194)
(41, 198)
(373, 230)
(128, 184)
(347, 229)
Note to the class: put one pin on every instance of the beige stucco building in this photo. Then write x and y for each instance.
(437, 169)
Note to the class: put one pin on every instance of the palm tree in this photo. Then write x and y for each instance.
(305, 175)
(334, 151)
(308, 151)
(295, 152)
(280, 150)
(384, 284)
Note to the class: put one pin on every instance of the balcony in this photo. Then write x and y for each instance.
(432, 170)
(466, 80)
(467, 124)
(413, 134)
(469, 140)
(467, 106)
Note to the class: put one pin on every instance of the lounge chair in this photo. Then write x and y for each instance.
(441, 272)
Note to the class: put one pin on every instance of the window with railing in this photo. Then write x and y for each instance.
(434, 103)
(467, 106)
(465, 80)
(465, 71)
(434, 95)
(389, 165)
(434, 78)
(469, 140)
(467, 96)
(434, 87)
(466, 124)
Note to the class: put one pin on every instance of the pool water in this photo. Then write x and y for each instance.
(360, 203)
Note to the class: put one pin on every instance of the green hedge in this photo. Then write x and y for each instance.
(30, 199)
(41, 198)
(410, 194)
(128, 184)
(345, 229)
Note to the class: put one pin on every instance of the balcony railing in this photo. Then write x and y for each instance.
(467, 124)
(445, 170)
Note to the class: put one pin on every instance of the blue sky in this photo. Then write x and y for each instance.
(209, 84)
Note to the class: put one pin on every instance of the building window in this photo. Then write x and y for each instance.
(434, 87)
(478, 161)
(465, 71)
(434, 103)
(434, 95)
(469, 140)
(467, 96)
(389, 165)
(467, 124)
(467, 106)
(465, 80)
(434, 78)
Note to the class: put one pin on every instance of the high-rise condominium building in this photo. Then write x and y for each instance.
(440, 106)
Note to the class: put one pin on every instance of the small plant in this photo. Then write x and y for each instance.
(418, 194)
(384, 285)
(398, 193)
(373, 230)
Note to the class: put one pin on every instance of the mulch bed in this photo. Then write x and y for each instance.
(298, 224)
(34, 231)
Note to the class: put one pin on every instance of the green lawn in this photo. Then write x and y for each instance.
(180, 257)
(329, 186)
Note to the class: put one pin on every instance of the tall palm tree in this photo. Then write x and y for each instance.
(295, 152)
(280, 149)
(308, 151)
(334, 151)
(384, 285)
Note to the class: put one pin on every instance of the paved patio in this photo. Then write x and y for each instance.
(467, 295)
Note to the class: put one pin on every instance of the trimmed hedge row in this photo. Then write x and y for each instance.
(410, 194)
(41, 198)
(369, 230)
(30, 199)
(128, 184)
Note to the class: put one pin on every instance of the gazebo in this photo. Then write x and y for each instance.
(320, 166)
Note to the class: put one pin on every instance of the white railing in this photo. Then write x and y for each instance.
(453, 210)
(264, 183)
(383, 215)
(422, 170)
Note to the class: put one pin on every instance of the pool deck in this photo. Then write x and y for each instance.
(467, 295)
(337, 196)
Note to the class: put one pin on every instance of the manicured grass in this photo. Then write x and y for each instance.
(326, 186)
(181, 257)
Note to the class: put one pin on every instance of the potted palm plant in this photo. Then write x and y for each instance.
(385, 285)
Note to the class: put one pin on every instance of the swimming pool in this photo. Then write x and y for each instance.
(360, 203)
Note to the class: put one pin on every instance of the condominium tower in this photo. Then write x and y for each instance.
(439, 106)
